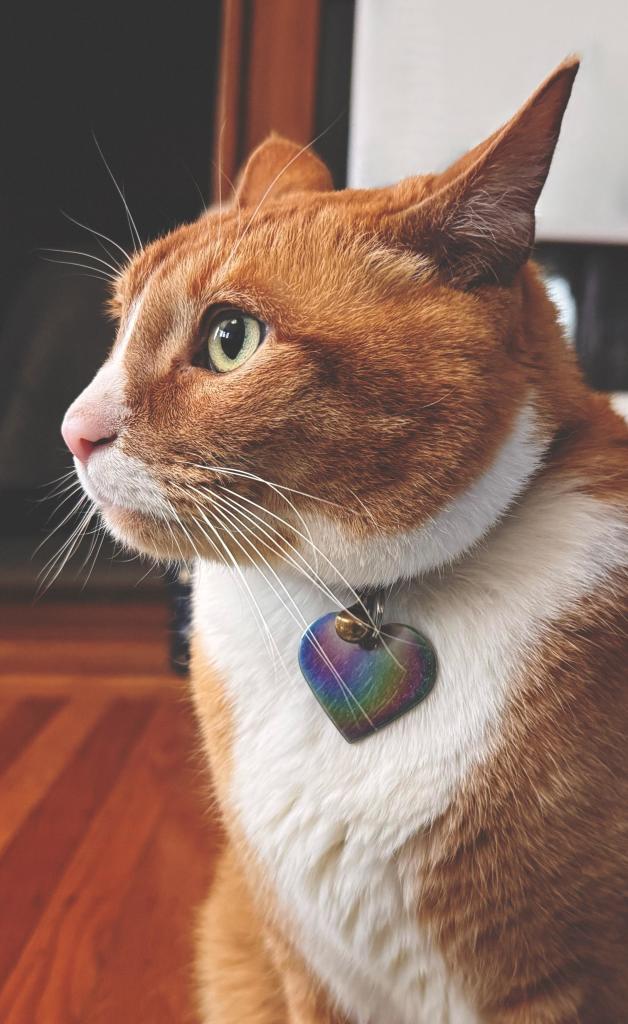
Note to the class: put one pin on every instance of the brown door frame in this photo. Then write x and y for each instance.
(267, 79)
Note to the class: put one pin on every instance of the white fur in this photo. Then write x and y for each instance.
(104, 395)
(119, 351)
(327, 818)
(451, 532)
(619, 401)
(112, 477)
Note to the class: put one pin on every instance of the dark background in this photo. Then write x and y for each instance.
(141, 79)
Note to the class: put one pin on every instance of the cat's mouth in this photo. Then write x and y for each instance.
(137, 512)
(115, 480)
(130, 501)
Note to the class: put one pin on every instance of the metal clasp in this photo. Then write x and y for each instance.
(362, 622)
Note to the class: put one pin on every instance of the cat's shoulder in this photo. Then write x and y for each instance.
(595, 453)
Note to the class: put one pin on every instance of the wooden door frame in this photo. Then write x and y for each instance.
(267, 79)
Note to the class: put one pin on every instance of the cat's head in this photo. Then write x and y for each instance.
(350, 369)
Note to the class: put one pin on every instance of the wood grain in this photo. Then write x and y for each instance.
(134, 685)
(229, 97)
(162, 991)
(267, 79)
(282, 70)
(65, 649)
(106, 841)
(34, 861)
(21, 723)
(30, 776)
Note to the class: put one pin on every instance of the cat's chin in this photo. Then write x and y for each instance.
(140, 533)
(169, 541)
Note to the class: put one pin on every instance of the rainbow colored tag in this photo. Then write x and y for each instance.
(363, 689)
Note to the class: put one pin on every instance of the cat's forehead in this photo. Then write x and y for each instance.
(329, 240)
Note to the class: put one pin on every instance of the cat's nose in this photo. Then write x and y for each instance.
(85, 431)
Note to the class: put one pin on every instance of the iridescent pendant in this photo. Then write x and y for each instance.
(364, 674)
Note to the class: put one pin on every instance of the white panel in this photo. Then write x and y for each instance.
(431, 79)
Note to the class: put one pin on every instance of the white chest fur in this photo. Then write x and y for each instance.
(326, 817)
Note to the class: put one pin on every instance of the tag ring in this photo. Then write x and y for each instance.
(362, 622)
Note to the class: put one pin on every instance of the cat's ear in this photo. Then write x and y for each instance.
(478, 222)
(278, 167)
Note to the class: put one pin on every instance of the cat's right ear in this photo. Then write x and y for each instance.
(278, 167)
(478, 222)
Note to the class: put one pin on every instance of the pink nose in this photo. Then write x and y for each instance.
(82, 432)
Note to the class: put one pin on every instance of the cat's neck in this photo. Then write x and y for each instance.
(551, 540)
(384, 559)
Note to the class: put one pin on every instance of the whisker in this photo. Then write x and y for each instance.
(132, 225)
(354, 594)
(312, 576)
(303, 566)
(367, 511)
(80, 505)
(64, 493)
(442, 398)
(97, 234)
(74, 493)
(298, 617)
(266, 635)
(88, 255)
(308, 539)
(83, 499)
(55, 567)
(95, 537)
(61, 487)
(174, 513)
(182, 559)
(59, 479)
(265, 632)
(277, 491)
(100, 275)
(95, 547)
(103, 534)
(151, 568)
(230, 471)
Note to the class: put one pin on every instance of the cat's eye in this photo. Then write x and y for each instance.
(232, 338)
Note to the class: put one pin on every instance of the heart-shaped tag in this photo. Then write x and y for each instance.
(363, 689)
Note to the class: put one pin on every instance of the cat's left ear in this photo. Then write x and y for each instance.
(478, 222)
(278, 167)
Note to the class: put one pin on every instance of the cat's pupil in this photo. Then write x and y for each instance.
(231, 334)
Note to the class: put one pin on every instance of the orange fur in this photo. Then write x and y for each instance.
(406, 329)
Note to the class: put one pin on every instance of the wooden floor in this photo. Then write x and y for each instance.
(106, 840)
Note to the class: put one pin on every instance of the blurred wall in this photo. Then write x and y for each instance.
(431, 80)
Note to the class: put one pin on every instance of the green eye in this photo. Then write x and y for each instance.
(233, 338)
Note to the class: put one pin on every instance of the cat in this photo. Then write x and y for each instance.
(315, 393)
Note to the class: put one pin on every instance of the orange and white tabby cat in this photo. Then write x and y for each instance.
(316, 393)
